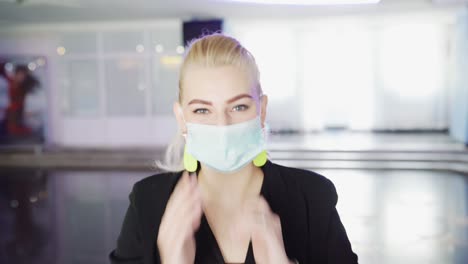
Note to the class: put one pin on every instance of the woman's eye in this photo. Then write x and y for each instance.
(240, 108)
(201, 111)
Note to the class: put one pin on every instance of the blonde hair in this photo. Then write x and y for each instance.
(211, 50)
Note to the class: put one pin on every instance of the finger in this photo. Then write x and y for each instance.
(183, 191)
(183, 198)
(250, 218)
(242, 225)
(192, 209)
(257, 204)
(179, 188)
(190, 224)
(187, 217)
(267, 223)
(259, 212)
(187, 190)
(263, 205)
(196, 216)
(183, 226)
(182, 181)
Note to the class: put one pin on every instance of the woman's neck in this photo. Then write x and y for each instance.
(230, 189)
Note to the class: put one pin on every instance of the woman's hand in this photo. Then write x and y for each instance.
(265, 231)
(176, 241)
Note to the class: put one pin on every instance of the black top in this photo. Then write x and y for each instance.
(304, 200)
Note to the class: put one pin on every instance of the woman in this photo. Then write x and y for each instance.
(19, 86)
(224, 201)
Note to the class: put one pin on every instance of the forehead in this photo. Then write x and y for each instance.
(215, 83)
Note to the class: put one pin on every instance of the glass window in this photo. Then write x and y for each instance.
(164, 76)
(78, 43)
(125, 86)
(78, 80)
(128, 42)
(166, 50)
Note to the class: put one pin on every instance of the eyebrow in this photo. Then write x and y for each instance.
(198, 101)
(235, 98)
(240, 96)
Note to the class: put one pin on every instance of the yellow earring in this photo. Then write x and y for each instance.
(190, 162)
(261, 159)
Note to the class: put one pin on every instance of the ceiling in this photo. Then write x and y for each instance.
(43, 11)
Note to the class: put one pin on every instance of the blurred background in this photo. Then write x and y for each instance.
(371, 94)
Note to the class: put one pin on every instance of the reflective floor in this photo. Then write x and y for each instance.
(74, 217)
(404, 216)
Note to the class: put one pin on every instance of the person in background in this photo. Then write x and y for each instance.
(221, 200)
(3, 99)
(19, 85)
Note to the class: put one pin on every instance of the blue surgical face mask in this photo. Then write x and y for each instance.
(226, 148)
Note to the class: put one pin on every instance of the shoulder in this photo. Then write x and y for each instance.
(157, 187)
(314, 186)
(158, 180)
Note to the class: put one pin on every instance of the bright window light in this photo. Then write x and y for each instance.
(412, 59)
(308, 2)
(263, 41)
(338, 65)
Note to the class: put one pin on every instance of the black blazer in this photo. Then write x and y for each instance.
(305, 202)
